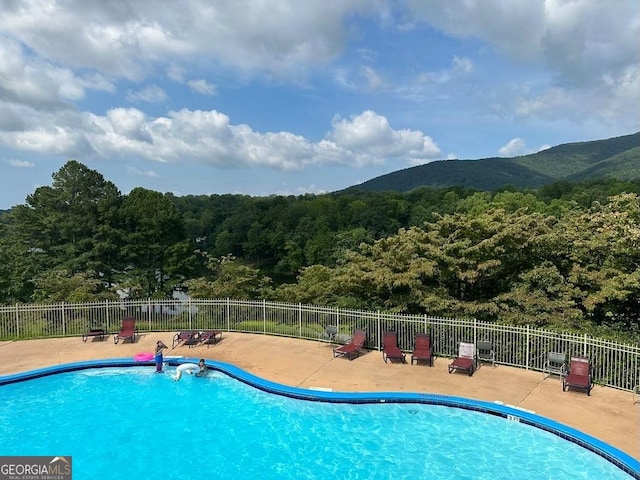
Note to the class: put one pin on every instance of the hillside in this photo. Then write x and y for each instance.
(617, 158)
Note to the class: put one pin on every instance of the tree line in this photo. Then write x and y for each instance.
(565, 256)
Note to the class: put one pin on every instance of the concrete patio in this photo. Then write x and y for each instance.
(607, 414)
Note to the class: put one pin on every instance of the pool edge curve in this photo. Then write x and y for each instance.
(620, 459)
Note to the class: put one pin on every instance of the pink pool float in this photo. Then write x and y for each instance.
(143, 356)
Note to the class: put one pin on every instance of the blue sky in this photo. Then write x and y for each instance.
(289, 97)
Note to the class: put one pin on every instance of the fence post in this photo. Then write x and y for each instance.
(64, 326)
(475, 331)
(106, 314)
(228, 313)
(264, 315)
(189, 307)
(149, 313)
(17, 320)
(584, 346)
(299, 319)
(379, 328)
(528, 351)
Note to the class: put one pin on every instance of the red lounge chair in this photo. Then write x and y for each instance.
(352, 349)
(423, 349)
(210, 336)
(128, 330)
(390, 349)
(579, 375)
(186, 337)
(466, 360)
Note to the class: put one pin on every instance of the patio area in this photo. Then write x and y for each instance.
(608, 414)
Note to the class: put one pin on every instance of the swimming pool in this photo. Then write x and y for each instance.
(122, 422)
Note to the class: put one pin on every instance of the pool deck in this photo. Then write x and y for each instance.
(608, 414)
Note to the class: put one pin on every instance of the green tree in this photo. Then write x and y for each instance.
(70, 225)
(155, 249)
(230, 279)
(394, 273)
(605, 259)
(55, 286)
(316, 285)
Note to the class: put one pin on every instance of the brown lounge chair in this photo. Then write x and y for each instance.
(127, 330)
(423, 349)
(210, 336)
(352, 349)
(466, 360)
(579, 375)
(185, 337)
(390, 349)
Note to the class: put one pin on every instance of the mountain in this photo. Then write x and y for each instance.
(617, 158)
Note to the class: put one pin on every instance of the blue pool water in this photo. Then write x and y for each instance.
(131, 423)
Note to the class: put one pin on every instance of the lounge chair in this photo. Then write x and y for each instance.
(579, 375)
(210, 336)
(466, 360)
(96, 331)
(352, 349)
(485, 353)
(556, 364)
(422, 349)
(185, 337)
(127, 330)
(390, 349)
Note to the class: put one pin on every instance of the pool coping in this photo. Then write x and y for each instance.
(620, 459)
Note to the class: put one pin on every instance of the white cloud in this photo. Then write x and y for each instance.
(150, 94)
(580, 41)
(209, 137)
(370, 139)
(19, 163)
(373, 79)
(140, 173)
(176, 73)
(128, 39)
(513, 147)
(126, 124)
(587, 52)
(202, 86)
(364, 78)
(574, 37)
(302, 190)
(49, 140)
(39, 84)
(54, 55)
(460, 67)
